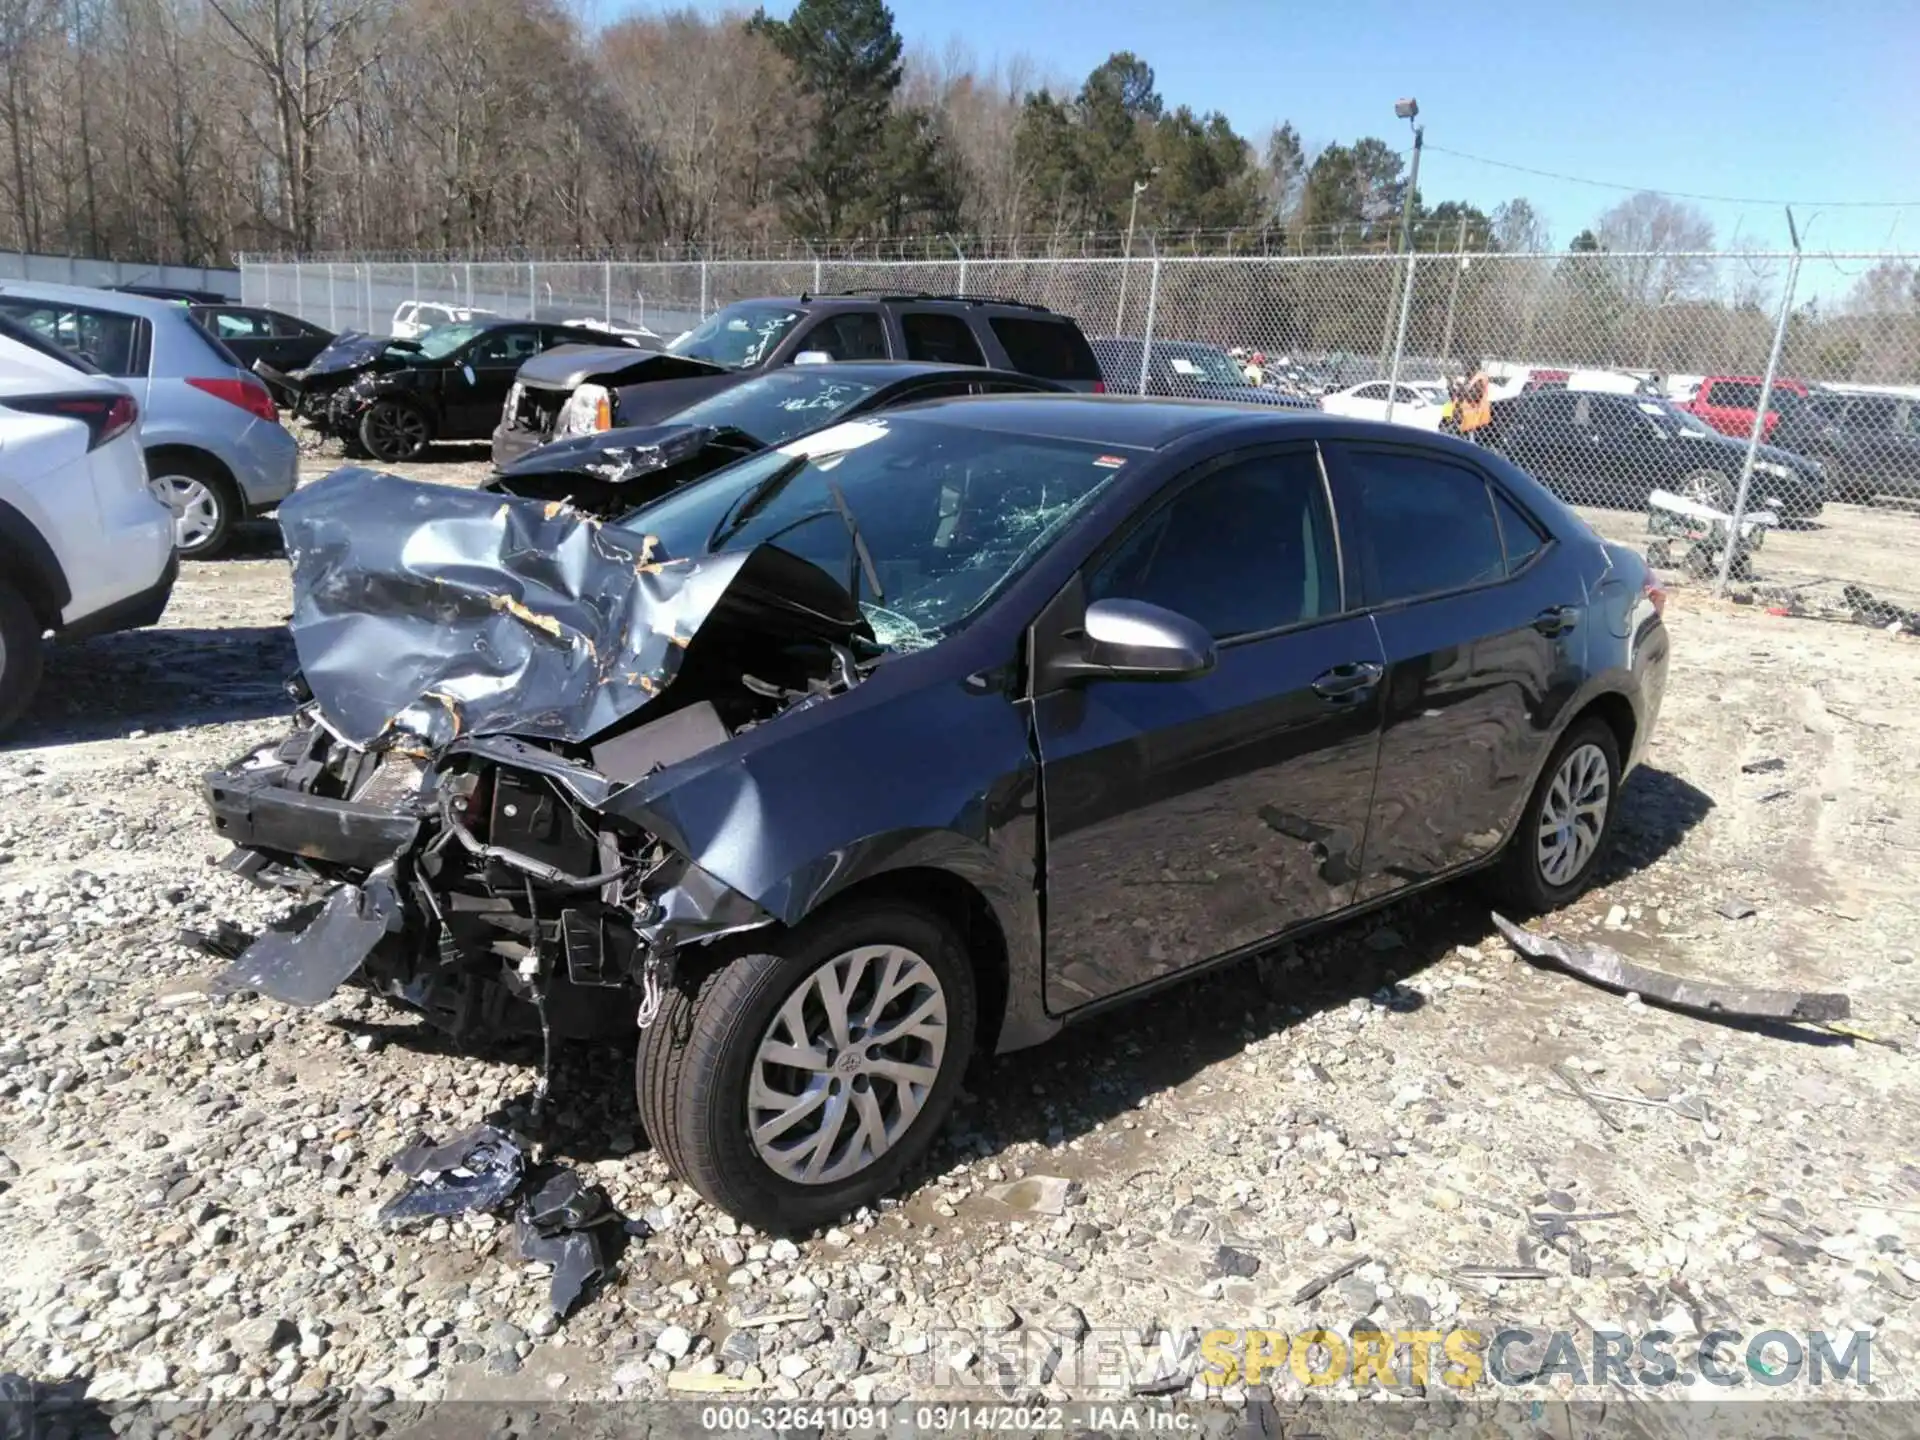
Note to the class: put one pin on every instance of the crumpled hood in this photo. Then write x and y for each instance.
(351, 350)
(617, 456)
(566, 367)
(433, 612)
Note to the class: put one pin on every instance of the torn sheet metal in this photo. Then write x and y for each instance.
(616, 457)
(437, 612)
(1611, 970)
(303, 967)
(573, 1228)
(477, 1170)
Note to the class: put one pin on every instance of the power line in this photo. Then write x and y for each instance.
(1676, 194)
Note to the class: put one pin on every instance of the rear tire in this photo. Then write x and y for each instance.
(1557, 845)
(204, 504)
(1708, 487)
(743, 1125)
(22, 655)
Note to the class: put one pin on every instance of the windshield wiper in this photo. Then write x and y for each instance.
(754, 500)
(859, 546)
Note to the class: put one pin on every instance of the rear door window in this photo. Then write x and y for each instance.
(1426, 526)
(935, 335)
(1520, 536)
(116, 345)
(1052, 349)
(851, 335)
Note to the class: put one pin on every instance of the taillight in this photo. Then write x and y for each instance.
(1656, 596)
(105, 416)
(249, 395)
(1099, 387)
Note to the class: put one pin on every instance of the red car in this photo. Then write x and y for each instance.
(1727, 403)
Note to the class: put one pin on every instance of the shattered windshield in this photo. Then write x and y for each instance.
(922, 521)
(782, 404)
(441, 341)
(738, 337)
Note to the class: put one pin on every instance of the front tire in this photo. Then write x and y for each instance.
(793, 1086)
(22, 655)
(1708, 487)
(393, 431)
(1568, 822)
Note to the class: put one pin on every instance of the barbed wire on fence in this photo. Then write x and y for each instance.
(1768, 382)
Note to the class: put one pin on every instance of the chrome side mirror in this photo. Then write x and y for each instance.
(1136, 640)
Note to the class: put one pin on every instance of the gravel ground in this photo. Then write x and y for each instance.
(188, 1183)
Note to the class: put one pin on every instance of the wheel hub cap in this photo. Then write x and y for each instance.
(196, 514)
(1574, 814)
(847, 1064)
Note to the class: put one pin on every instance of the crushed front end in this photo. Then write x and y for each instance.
(480, 677)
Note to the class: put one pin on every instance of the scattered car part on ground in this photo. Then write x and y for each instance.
(676, 772)
(475, 1171)
(216, 452)
(559, 397)
(1703, 533)
(614, 471)
(1609, 969)
(88, 547)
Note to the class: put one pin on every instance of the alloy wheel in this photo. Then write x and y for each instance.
(847, 1064)
(196, 509)
(1573, 815)
(396, 432)
(1707, 487)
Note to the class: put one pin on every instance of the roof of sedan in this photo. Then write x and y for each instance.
(1125, 420)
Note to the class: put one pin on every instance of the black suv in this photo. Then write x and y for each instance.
(1869, 443)
(577, 390)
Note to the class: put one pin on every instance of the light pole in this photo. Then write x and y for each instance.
(1407, 110)
(1126, 254)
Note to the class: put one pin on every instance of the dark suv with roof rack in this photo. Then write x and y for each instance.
(579, 389)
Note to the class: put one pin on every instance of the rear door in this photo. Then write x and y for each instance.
(939, 335)
(1186, 819)
(1482, 632)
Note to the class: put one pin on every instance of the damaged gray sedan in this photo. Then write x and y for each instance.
(922, 734)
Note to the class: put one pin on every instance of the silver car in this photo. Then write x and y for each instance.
(216, 451)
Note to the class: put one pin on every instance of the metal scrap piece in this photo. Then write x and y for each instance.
(1313, 1287)
(478, 1169)
(1611, 970)
(303, 967)
(573, 1228)
(1614, 1122)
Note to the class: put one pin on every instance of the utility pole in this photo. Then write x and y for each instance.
(1126, 254)
(1453, 294)
(1406, 110)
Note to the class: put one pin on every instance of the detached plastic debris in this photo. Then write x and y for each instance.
(478, 1169)
(226, 941)
(1611, 970)
(573, 1228)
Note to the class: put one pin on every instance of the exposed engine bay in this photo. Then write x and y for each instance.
(483, 680)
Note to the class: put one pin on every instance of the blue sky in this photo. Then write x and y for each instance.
(1807, 102)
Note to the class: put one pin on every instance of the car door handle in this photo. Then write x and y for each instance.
(1556, 619)
(1349, 681)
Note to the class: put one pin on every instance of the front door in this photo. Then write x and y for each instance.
(477, 390)
(1186, 819)
(1482, 624)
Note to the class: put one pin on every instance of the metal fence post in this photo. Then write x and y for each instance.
(469, 284)
(606, 277)
(416, 280)
(367, 287)
(816, 275)
(1400, 338)
(533, 294)
(703, 289)
(1760, 410)
(299, 292)
(333, 309)
(1453, 294)
(1153, 304)
(961, 287)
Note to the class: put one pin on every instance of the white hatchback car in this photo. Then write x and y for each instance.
(1369, 402)
(85, 545)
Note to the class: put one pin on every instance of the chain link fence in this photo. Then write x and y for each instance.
(1679, 400)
